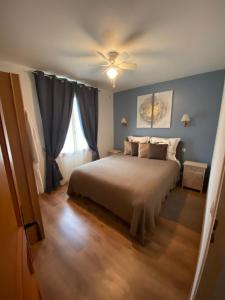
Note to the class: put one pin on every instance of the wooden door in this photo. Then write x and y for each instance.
(13, 117)
(211, 285)
(16, 278)
(8, 237)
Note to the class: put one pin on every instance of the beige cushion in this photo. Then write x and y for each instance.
(143, 150)
(127, 148)
(138, 139)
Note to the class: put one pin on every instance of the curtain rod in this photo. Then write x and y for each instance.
(65, 77)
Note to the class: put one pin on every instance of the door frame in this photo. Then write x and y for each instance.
(213, 212)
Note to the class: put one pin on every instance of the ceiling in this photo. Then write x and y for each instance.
(168, 39)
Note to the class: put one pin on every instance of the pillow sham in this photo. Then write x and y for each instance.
(127, 148)
(143, 150)
(157, 151)
(134, 149)
(172, 146)
(139, 139)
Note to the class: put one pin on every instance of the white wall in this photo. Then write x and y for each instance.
(212, 194)
(105, 123)
(105, 134)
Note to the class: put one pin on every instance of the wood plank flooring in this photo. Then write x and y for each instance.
(88, 253)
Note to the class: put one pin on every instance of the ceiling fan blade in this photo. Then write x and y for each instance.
(106, 65)
(76, 54)
(124, 56)
(127, 66)
(134, 36)
(102, 55)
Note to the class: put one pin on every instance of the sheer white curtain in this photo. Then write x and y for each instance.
(75, 151)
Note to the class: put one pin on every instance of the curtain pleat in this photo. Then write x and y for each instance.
(87, 98)
(55, 97)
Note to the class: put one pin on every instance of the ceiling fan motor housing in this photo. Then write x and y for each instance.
(112, 56)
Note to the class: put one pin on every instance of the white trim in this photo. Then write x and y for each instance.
(210, 212)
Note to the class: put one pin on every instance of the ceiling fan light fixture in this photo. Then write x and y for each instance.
(114, 63)
(112, 73)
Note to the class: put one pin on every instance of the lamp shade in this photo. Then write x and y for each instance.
(124, 121)
(185, 118)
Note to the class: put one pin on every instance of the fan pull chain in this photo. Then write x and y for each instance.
(113, 83)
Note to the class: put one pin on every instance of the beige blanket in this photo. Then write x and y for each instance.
(132, 188)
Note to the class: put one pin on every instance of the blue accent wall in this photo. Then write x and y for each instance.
(199, 96)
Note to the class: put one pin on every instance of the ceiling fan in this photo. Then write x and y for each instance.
(115, 62)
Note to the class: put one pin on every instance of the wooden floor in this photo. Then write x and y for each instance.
(88, 253)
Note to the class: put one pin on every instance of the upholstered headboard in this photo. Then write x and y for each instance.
(179, 154)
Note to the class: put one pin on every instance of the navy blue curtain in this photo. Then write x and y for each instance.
(87, 98)
(55, 96)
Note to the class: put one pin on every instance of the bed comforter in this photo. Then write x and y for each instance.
(132, 188)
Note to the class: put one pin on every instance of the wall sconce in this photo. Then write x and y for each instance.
(124, 121)
(186, 120)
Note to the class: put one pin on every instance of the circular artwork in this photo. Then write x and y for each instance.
(160, 111)
(154, 110)
(145, 110)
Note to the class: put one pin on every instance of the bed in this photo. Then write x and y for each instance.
(132, 188)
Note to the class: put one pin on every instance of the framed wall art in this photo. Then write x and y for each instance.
(154, 110)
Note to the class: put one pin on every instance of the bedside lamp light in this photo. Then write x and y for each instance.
(124, 121)
(186, 120)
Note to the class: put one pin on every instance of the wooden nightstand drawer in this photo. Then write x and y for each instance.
(193, 169)
(113, 152)
(193, 175)
(193, 180)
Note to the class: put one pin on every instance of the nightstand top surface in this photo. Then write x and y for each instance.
(195, 164)
(114, 151)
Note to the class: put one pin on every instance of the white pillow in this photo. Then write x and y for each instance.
(139, 139)
(172, 146)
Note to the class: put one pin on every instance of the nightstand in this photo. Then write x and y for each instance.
(193, 175)
(114, 151)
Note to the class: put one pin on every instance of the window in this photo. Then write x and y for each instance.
(75, 140)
